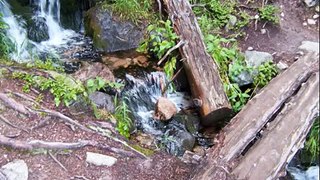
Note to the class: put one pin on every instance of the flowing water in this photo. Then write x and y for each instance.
(26, 49)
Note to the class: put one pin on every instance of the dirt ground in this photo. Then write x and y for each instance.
(282, 41)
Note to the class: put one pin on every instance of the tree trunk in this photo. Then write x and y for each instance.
(262, 109)
(201, 70)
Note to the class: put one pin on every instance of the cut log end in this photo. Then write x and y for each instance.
(217, 117)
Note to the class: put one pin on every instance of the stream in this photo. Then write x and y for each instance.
(51, 40)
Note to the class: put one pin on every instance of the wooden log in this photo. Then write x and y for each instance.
(201, 70)
(261, 109)
(284, 137)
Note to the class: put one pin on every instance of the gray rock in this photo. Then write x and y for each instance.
(100, 159)
(309, 46)
(38, 30)
(244, 78)
(311, 3)
(16, 170)
(178, 142)
(232, 22)
(256, 58)
(311, 21)
(282, 66)
(111, 34)
(102, 101)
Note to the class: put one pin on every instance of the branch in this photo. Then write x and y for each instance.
(170, 51)
(13, 104)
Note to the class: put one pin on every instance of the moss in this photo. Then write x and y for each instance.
(145, 151)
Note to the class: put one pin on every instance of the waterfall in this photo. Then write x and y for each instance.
(26, 49)
(15, 32)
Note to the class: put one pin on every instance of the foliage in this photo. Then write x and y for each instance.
(45, 65)
(269, 13)
(312, 142)
(99, 84)
(162, 38)
(134, 10)
(61, 91)
(6, 45)
(266, 72)
(124, 122)
(170, 66)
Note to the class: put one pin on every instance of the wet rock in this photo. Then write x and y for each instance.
(311, 3)
(256, 58)
(165, 109)
(16, 170)
(309, 46)
(190, 122)
(109, 33)
(100, 159)
(38, 30)
(93, 70)
(244, 78)
(102, 101)
(177, 141)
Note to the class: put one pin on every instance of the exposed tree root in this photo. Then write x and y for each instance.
(13, 104)
(57, 161)
(5, 120)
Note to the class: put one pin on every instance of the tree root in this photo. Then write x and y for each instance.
(13, 104)
(5, 120)
(181, 43)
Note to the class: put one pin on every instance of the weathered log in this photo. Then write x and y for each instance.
(201, 70)
(260, 110)
(284, 137)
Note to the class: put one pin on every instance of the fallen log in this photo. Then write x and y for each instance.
(284, 137)
(259, 111)
(201, 70)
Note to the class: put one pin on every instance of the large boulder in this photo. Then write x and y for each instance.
(109, 33)
(15, 170)
(38, 30)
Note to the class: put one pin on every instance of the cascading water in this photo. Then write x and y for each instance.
(26, 49)
(16, 33)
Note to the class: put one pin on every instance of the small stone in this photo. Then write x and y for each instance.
(16, 170)
(317, 9)
(316, 16)
(263, 31)
(165, 109)
(100, 159)
(311, 21)
(300, 53)
(309, 46)
(256, 16)
(282, 66)
(305, 24)
(282, 14)
(250, 48)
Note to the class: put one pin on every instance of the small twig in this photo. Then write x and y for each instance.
(172, 79)
(160, 9)
(57, 161)
(9, 123)
(170, 51)
(80, 177)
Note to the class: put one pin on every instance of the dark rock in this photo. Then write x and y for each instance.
(38, 29)
(110, 34)
(165, 109)
(102, 101)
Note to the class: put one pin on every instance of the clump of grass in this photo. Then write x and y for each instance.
(122, 115)
(312, 142)
(269, 13)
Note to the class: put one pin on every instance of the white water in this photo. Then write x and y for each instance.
(15, 32)
(50, 10)
(312, 173)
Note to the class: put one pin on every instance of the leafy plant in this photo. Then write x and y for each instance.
(134, 10)
(162, 38)
(98, 84)
(266, 72)
(124, 122)
(6, 45)
(269, 13)
(312, 142)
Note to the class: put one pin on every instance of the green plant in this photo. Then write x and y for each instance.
(266, 72)
(99, 84)
(134, 10)
(161, 38)
(124, 122)
(236, 97)
(312, 142)
(45, 65)
(269, 13)
(6, 45)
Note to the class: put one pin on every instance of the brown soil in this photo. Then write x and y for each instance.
(281, 40)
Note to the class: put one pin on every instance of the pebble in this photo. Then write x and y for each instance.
(282, 14)
(250, 48)
(256, 16)
(100, 159)
(311, 21)
(263, 31)
(316, 16)
(317, 9)
(305, 24)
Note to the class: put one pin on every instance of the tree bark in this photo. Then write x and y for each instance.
(284, 137)
(201, 70)
(263, 108)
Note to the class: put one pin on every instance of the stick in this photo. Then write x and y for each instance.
(57, 161)
(13, 104)
(172, 79)
(160, 9)
(170, 50)
(2, 118)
